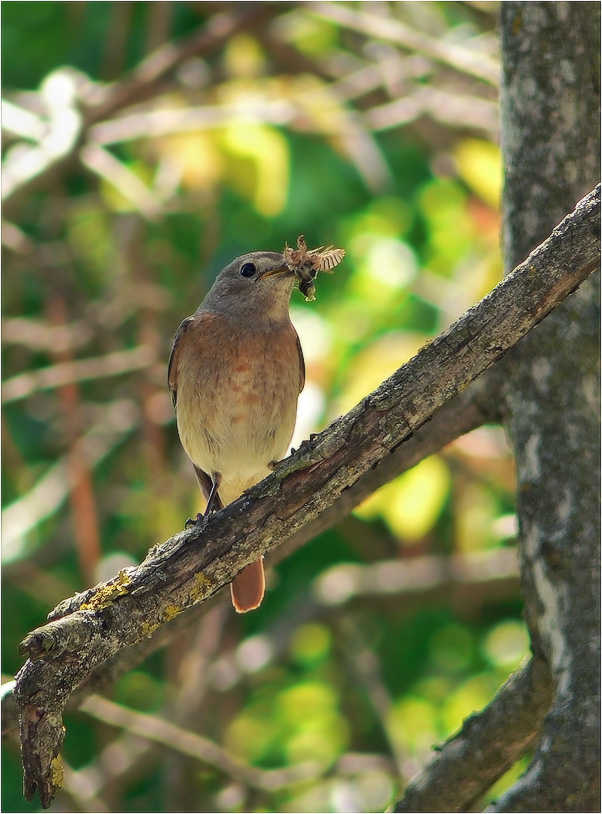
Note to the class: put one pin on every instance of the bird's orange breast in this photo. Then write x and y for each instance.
(237, 395)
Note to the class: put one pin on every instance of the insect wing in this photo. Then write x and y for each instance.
(329, 258)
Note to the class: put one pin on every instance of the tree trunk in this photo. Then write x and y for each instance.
(551, 148)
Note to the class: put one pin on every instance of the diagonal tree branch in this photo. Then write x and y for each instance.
(477, 405)
(88, 629)
(488, 744)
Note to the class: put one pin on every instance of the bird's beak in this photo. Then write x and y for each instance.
(279, 270)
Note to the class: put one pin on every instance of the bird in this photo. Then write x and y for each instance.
(235, 373)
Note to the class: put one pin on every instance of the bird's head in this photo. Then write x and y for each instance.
(257, 284)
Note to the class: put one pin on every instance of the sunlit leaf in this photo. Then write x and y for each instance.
(258, 165)
(480, 165)
(412, 502)
(507, 644)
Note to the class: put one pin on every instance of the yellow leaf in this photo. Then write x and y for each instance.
(376, 363)
(263, 173)
(480, 166)
(411, 503)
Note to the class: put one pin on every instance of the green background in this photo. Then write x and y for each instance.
(363, 687)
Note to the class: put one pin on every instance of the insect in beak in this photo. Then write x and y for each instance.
(306, 263)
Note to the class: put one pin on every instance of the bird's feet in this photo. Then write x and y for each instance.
(190, 522)
(306, 442)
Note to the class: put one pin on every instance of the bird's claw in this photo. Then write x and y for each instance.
(190, 522)
(306, 441)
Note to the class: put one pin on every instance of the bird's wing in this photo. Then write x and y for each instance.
(172, 368)
(203, 478)
(301, 364)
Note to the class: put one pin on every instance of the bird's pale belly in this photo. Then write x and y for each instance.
(236, 419)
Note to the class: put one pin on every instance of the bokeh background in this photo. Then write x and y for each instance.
(127, 187)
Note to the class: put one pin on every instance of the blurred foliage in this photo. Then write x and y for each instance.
(311, 122)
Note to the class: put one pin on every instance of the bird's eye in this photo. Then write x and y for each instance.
(247, 270)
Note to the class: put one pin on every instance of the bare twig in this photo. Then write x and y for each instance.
(81, 494)
(50, 155)
(462, 414)
(97, 367)
(39, 335)
(196, 746)
(450, 108)
(365, 666)
(455, 56)
(88, 629)
(144, 81)
(105, 165)
(417, 576)
(408, 582)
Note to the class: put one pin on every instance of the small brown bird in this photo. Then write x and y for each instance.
(235, 373)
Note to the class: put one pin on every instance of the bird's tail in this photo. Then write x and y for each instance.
(248, 587)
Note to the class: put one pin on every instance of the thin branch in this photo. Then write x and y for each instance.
(48, 157)
(40, 335)
(97, 367)
(418, 581)
(455, 56)
(468, 410)
(449, 108)
(196, 746)
(50, 492)
(364, 666)
(419, 576)
(147, 78)
(89, 628)
(77, 789)
(81, 495)
(126, 182)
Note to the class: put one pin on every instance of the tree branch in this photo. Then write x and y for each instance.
(485, 748)
(478, 404)
(89, 628)
(198, 747)
(411, 583)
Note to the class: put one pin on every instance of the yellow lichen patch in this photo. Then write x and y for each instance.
(198, 590)
(57, 772)
(170, 612)
(201, 579)
(107, 593)
(148, 628)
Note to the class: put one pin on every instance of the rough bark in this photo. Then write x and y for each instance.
(91, 627)
(551, 149)
(487, 746)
